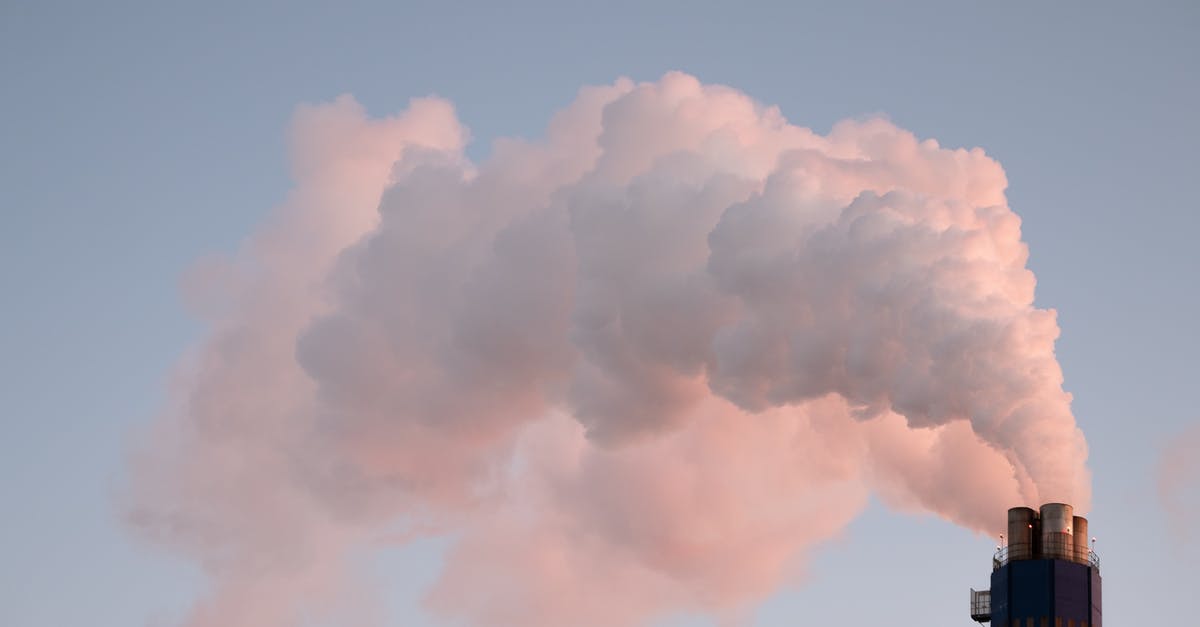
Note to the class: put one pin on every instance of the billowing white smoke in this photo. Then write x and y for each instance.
(653, 357)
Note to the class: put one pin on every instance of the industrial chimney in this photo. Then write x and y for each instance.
(1044, 574)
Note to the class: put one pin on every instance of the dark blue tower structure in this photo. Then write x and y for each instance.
(1045, 576)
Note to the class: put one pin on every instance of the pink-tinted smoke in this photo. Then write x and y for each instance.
(1179, 483)
(654, 357)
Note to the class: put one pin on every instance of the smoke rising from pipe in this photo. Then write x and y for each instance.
(655, 356)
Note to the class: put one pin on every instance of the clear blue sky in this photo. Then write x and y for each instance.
(136, 138)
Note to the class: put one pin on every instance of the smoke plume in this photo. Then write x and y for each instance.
(655, 356)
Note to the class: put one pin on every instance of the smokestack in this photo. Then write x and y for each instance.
(1046, 575)
(1081, 538)
(1057, 540)
(1021, 532)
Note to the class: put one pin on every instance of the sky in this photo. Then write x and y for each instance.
(138, 138)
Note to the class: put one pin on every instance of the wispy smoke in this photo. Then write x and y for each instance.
(654, 357)
(1179, 483)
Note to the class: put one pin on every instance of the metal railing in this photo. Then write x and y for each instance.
(981, 605)
(1045, 550)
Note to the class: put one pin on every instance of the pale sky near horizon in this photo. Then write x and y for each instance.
(137, 138)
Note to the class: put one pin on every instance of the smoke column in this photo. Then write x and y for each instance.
(655, 356)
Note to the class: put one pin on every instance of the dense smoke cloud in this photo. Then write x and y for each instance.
(655, 356)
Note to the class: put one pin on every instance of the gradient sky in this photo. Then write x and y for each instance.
(137, 138)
